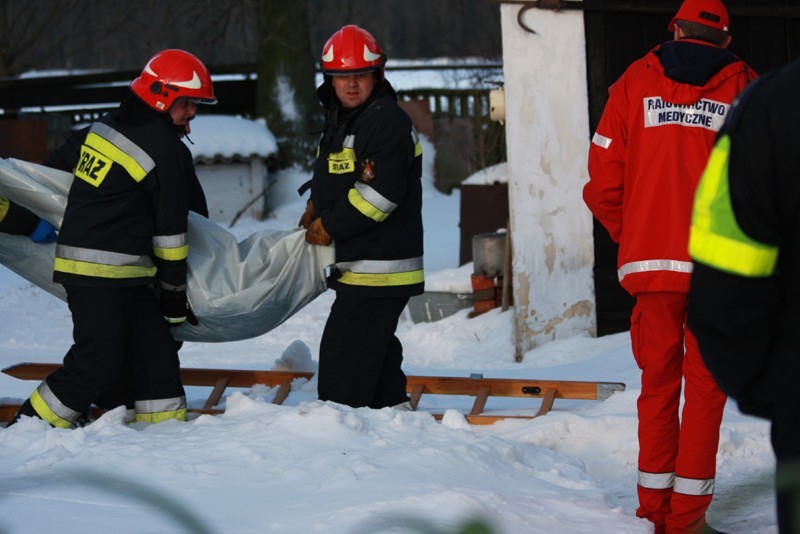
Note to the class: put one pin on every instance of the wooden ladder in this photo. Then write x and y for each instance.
(473, 386)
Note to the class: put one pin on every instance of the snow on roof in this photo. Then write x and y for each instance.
(496, 174)
(225, 137)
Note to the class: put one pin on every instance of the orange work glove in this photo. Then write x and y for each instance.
(316, 234)
(308, 216)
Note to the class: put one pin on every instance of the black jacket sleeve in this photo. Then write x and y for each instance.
(16, 220)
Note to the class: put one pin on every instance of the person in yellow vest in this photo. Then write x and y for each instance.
(745, 247)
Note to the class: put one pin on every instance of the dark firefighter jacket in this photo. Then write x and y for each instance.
(745, 242)
(126, 217)
(367, 190)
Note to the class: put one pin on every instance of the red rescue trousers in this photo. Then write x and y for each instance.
(677, 455)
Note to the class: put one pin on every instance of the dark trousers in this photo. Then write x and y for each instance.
(786, 444)
(114, 330)
(360, 356)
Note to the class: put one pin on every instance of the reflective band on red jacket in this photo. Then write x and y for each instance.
(654, 265)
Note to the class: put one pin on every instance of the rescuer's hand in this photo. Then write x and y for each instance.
(317, 235)
(175, 307)
(308, 215)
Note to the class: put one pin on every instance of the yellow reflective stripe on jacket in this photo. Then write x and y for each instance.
(370, 203)
(416, 141)
(102, 263)
(342, 162)
(157, 410)
(4, 205)
(170, 247)
(715, 238)
(380, 273)
(50, 409)
(120, 150)
(102, 271)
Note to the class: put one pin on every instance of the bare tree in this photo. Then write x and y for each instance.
(40, 35)
(285, 94)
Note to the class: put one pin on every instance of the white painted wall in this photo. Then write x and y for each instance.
(229, 187)
(547, 130)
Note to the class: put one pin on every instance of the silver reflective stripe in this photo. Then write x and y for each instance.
(694, 486)
(47, 395)
(102, 257)
(375, 198)
(169, 241)
(160, 405)
(414, 136)
(170, 287)
(381, 266)
(654, 265)
(124, 144)
(656, 481)
(349, 141)
(601, 140)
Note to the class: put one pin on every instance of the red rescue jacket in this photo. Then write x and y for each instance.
(648, 153)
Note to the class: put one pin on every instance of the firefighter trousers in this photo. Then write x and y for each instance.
(786, 444)
(360, 357)
(112, 325)
(677, 454)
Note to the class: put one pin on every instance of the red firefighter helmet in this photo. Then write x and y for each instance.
(172, 74)
(352, 50)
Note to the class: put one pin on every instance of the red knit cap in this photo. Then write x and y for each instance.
(710, 13)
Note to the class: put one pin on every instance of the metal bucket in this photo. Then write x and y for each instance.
(488, 252)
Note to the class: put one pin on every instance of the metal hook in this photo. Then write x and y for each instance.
(521, 12)
(555, 5)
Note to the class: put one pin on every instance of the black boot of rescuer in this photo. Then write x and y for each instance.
(25, 409)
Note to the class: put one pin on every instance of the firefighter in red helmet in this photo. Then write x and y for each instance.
(366, 197)
(121, 250)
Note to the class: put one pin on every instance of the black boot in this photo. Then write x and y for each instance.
(25, 409)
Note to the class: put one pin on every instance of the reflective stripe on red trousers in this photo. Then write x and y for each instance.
(677, 455)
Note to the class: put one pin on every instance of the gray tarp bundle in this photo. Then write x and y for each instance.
(238, 290)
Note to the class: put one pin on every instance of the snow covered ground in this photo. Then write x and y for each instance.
(308, 466)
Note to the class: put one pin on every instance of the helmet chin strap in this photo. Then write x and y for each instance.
(182, 131)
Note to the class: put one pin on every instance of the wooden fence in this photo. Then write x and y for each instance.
(466, 140)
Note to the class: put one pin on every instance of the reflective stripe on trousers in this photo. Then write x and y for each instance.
(51, 409)
(156, 410)
(686, 486)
